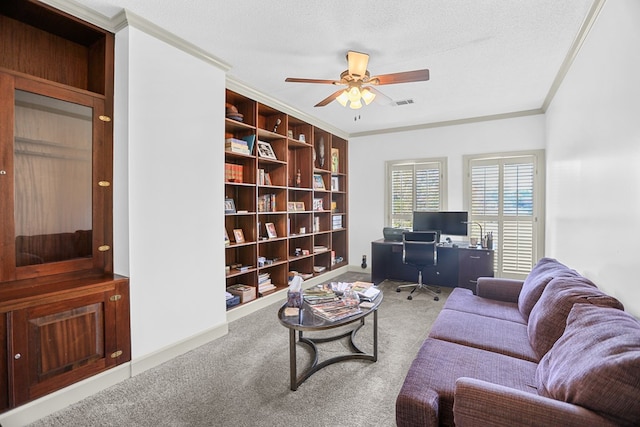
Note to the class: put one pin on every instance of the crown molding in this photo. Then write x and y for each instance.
(588, 23)
(246, 90)
(457, 122)
(127, 18)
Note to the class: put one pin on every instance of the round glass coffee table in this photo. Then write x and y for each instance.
(307, 321)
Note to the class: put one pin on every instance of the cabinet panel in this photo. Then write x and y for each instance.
(63, 340)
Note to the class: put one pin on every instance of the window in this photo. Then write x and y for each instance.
(414, 185)
(503, 195)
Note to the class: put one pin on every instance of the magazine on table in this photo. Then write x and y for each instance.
(367, 291)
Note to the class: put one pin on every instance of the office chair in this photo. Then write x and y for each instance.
(419, 250)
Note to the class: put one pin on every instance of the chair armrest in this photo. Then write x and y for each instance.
(480, 403)
(499, 289)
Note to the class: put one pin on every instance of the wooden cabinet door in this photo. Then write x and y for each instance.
(56, 344)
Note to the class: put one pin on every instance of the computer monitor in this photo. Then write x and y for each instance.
(452, 223)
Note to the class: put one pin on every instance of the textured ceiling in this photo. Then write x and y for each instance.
(486, 57)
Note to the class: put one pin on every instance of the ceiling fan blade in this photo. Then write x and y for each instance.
(329, 98)
(381, 98)
(296, 80)
(357, 63)
(404, 77)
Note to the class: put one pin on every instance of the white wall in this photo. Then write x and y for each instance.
(593, 157)
(169, 167)
(368, 154)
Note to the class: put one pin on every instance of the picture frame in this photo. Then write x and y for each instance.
(229, 206)
(335, 183)
(238, 235)
(271, 230)
(318, 182)
(227, 241)
(291, 206)
(300, 206)
(267, 179)
(318, 205)
(265, 150)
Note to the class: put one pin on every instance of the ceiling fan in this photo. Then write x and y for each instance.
(360, 83)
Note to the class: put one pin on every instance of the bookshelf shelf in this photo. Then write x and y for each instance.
(277, 195)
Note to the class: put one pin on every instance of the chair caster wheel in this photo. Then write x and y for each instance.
(409, 297)
(436, 299)
(397, 289)
(437, 291)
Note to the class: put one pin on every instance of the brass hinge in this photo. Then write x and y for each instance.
(114, 298)
(116, 354)
(105, 118)
(104, 183)
(104, 248)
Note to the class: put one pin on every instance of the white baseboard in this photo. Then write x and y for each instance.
(250, 307)
(47, 405)
(56, 401)
(33, 411)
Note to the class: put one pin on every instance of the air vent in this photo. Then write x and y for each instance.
(404, 102)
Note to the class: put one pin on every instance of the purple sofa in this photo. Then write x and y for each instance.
(550, 350)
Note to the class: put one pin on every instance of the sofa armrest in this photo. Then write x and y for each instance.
(499, 289)
(480, 403)
(417, 406)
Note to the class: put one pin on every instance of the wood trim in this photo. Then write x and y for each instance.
(7, 226)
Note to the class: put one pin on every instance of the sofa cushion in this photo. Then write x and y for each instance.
(462, 299)
(596, 364)
(539, 277)
(487, 333)
(549, 316)
(437, 367)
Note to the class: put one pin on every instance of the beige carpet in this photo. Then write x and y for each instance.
(242, 379)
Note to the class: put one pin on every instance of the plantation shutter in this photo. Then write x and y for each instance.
(413, 186)
(517, 231)
(502, 203)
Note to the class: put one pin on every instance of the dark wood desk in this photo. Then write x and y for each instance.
(457, 266)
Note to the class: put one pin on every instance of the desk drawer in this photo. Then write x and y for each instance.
(474, 263)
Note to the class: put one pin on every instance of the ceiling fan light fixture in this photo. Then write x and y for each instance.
(367, 96)
(343, 98)
(355, 105)
(354, 94)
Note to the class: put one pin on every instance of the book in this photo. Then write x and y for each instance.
(234, 145)
(251, 140)
(335, 160)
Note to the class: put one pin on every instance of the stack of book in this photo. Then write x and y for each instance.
(319, 295)
(319, 248)
(239, 146)
(264, 284)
